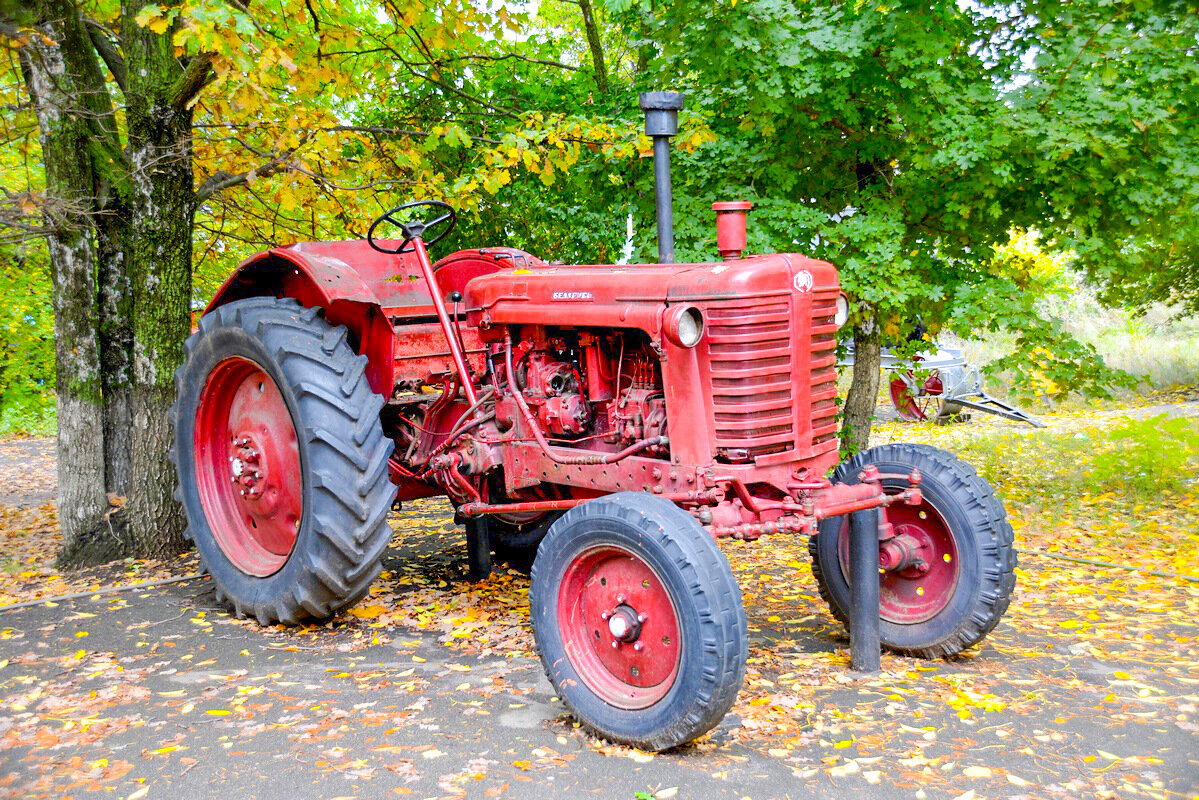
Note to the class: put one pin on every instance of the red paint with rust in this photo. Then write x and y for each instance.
(619, 627)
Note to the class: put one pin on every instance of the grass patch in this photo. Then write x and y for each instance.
(1140, 459)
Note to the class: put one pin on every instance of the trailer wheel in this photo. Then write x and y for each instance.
(919, 407)
(638, 620)
(957, 572)
(281, 460)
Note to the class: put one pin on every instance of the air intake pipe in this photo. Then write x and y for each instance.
(661, 122)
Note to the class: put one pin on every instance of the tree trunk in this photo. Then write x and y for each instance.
(64, 133)
(597, 48)
(863, 392)
(163, 198)
(116, 343)
(113, 226)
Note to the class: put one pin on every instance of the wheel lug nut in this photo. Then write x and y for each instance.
(620, 598)
(615, 644)
(642, 617)
(638, 646)
(605, 615)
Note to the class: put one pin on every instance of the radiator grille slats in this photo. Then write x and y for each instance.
(761, 406)
(823, 365)
(752, 382)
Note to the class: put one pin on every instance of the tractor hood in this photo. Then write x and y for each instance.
(634, 296)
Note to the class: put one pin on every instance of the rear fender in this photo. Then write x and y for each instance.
(320, 282)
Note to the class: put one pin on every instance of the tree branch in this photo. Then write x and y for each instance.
(109, 54)
(221, 180)
(194, 78)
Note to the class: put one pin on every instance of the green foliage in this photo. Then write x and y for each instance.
(26, 341)
(1111, 133)
(903, 142)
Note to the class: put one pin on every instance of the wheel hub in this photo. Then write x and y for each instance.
(619, 627)
(918, 565)
(903, 551)
(248, 467)
(624, 624)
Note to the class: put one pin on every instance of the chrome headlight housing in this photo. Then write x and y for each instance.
(684, 325)
(841, 315)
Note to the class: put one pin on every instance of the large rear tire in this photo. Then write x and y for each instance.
(638, 620)
(282, 461)
(960, 587)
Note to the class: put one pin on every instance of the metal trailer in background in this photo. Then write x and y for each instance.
(940, 385)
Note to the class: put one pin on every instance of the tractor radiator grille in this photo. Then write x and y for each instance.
(749, 344)
(822, 391)
(773, 374)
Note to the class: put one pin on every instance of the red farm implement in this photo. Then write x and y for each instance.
(606, 423)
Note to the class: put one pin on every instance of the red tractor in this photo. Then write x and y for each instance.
(606, 423)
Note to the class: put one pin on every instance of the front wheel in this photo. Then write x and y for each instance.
(952, 562)
(638, 620)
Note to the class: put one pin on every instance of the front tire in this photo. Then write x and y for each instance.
(638, 620)
(281, 460)
(963, 539)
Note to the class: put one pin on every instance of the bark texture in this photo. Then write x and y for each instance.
(163, 203)
(116, 342)
(56, 84)
(863, 391)
(597, 48)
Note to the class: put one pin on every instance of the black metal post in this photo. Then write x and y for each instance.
(864, 643)
(661, 122)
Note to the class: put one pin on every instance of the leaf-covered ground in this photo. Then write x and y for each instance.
(430, 687)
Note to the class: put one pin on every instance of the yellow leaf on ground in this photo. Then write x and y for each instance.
(370, 612)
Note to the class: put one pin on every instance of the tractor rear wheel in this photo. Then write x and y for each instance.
(281, 460)
(638, 620)
(955, 572)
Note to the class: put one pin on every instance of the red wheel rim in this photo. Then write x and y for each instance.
(619, 627)
(919, 567)
(247, 464)
(920, 406)
(904, 402)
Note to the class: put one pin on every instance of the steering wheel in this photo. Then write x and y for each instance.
(414, 230)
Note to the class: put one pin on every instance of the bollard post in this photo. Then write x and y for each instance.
(864, 644)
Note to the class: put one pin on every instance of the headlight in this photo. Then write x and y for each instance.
(841, 316)
(684, 325)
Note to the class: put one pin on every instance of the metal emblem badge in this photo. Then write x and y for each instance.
(804, 281)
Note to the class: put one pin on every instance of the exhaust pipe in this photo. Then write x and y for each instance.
(661, 122)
